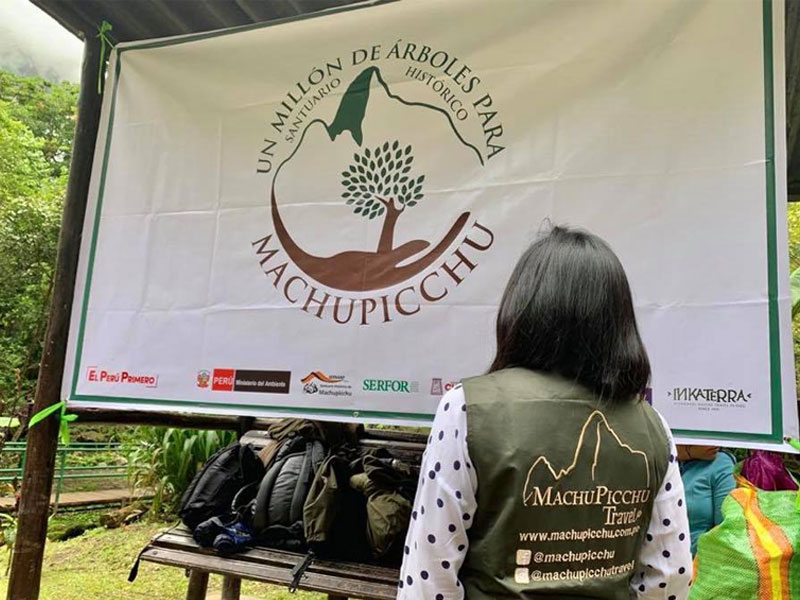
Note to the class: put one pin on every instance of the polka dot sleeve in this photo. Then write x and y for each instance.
(665, 562)
(443, 509)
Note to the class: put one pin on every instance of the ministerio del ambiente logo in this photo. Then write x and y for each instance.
(346, 114)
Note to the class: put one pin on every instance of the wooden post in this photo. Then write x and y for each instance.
(198, 585)
(245, 425)
(231, 588)
(37, 478)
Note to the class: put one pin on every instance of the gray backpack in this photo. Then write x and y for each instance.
(274, 506)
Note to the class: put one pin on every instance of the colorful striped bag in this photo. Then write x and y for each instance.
(754, 554)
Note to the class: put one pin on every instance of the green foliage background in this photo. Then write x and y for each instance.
(165, 460)
(794, 264)
(37, 119)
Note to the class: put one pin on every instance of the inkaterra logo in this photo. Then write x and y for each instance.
(714, 395)
(369, 136)
(318, 382)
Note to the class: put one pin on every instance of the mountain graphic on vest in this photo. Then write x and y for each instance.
(599, 454)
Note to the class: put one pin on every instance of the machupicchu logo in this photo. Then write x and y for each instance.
(398, 141)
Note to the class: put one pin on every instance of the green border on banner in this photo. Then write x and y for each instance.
(776, 388)
(772, 255)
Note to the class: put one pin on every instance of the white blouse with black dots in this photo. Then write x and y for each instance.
(437, 539)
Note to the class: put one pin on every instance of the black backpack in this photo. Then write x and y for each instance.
(212, 490)
(276, 511)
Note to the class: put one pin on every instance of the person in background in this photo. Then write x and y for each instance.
(708, 479)
(550, 476)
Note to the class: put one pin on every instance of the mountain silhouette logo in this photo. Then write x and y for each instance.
(382, 183)
(599, 454)
(322, 377)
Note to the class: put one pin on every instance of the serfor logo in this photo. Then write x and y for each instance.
(397, 386)
(392, 149)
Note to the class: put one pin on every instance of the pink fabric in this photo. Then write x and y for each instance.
(766, 471)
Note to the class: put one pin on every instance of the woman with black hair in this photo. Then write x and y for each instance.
(550, 477)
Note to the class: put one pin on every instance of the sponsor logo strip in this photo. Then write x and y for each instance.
(263, 382)
(98, 375)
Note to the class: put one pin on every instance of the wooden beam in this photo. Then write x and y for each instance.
(157, 419)
(393, 439)
(37, 479)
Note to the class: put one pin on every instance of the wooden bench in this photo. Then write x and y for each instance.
(340, 580)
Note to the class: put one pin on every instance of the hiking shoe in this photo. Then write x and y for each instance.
(233, 538)
(205, 533)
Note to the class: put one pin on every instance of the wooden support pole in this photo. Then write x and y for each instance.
(231, 588)
(37, 478)
(198, 585)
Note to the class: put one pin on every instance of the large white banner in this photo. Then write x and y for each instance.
(318, 217)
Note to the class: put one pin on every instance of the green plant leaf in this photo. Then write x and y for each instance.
(794, 281)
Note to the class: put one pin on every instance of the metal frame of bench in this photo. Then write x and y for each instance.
(340, 580)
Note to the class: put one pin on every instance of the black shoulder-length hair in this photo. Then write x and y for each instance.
(567, 309)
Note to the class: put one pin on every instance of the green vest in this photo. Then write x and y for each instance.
(565, 488)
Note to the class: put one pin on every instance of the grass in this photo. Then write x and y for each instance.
(95, 566)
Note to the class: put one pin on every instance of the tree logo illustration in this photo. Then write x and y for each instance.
(379, 183)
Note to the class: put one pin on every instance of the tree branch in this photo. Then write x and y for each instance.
(381, 200)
